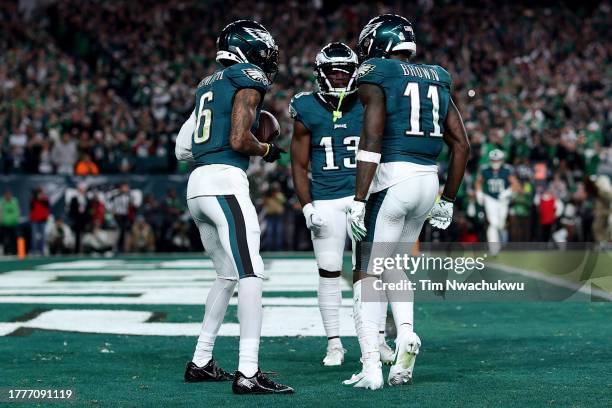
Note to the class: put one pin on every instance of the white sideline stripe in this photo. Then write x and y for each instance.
(124, 263)
(129, 322)
(553, 280)
(187, 299)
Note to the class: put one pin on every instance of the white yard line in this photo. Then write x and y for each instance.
(553, 280)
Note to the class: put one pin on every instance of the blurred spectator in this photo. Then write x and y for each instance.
(45, 163)
(274, 209)
(177, 237)
(98, 240)
(9, 222)
(548, 213)
(64, 154)
(77, 213)
(602, 228)
(121, 204)
(86, 167)
(60, 239)
(141, 237)
(39, 213)
(520, 213)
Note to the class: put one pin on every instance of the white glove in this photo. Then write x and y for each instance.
(356, 215)
(479, 197)
(506, 194)
(314, 222)
(441, 214)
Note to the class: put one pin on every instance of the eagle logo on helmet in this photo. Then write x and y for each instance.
(262, 35)
(369, 29)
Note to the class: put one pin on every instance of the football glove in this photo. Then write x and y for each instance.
(273, 153)
(506, 194)
(441, 214)
(356, 215)
(314, 222)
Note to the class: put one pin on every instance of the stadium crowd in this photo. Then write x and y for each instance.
(102, 87)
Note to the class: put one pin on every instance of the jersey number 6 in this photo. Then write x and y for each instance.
(204, 120)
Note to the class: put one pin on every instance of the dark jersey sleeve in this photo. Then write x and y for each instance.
(297, 109)
(248, 76)
(372, 71)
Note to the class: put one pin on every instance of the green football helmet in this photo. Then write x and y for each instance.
(384, 35)
(336, 69)
(248, 41)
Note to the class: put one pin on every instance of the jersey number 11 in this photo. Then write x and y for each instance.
(412, 91)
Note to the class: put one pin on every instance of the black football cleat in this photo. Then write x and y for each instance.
(258, 384)
(210, 372)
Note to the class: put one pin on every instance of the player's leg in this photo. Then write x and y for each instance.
(417, 196)
(208, 217)
(492, 211)
(366, 300)
(503, 218)
(328, 245)
(387, 354)
(241, 241)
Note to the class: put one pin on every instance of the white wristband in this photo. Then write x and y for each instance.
(365, 156)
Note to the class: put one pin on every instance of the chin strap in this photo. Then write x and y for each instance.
(337, 114)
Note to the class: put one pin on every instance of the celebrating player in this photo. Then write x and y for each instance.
(408, 115)
(494, 190)
(218, 138)
(325, 136)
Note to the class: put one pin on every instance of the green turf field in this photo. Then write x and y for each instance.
(119, 333)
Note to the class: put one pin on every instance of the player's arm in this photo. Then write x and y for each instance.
(455, 137)
(374, 115)
(368, 155)
(244, 111)
(300, 158)
(182, 148)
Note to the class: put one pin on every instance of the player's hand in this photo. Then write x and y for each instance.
(441, 214)
(506, 194)
(273, 153)
(479, 197)
(356, 215)
(314, 222)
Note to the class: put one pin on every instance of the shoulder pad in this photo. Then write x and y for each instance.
(445, 76)
(299, 106)
(372, 71)
(248, 76)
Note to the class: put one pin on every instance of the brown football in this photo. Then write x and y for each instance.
(268, 129)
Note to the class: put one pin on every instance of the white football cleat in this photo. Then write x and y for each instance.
(407, 349)
(334, 356)
(370, 377)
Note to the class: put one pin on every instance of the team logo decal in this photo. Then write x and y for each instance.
(292, 111)
(261, 35)
(256, 75)
(365, 69)
(369, 29)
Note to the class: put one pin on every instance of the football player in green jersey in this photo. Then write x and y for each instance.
(408, 116)
(494, 187)
(326, 132)
(218, 138)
